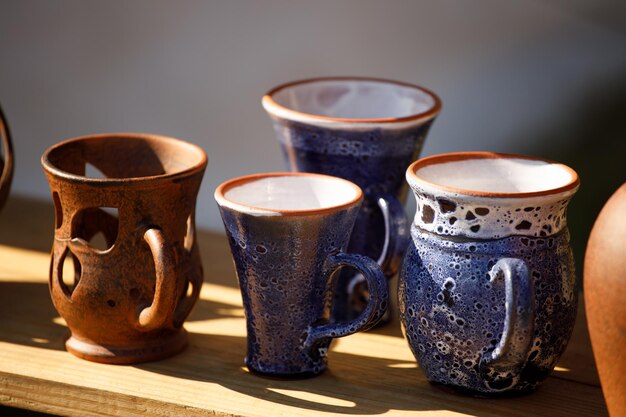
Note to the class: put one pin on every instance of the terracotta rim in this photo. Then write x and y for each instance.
(269, 102)
(50, 167)
(460, 156)
(227, 185)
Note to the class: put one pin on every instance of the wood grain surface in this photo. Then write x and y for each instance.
(371, 373)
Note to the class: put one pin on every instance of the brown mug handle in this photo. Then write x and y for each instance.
(6, 168)
(166, 295)
(193, 276)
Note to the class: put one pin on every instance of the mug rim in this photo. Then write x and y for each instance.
(151, 137)
(413, 177)
(272, 107)
(221, 199)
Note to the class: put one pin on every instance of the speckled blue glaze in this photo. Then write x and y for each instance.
(452, 308)
(487, 290)
(365, 130)
(375, 160)
(285, 267)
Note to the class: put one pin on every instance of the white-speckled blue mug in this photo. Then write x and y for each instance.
(288, 232)
(487, 289)
(365, 130)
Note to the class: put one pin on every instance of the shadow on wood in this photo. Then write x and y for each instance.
(352, 385)
(370, 374)
(27, 316)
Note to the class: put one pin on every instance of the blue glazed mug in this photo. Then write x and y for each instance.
(287, 234)
(487, 290)
(365, 130)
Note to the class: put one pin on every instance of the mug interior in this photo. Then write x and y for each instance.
(495, 173)
(290, 192)
(354, 98)
(124, 156)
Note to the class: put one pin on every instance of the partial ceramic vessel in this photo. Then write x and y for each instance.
(487, 290)
(365, 130)
(605, 280)
(288, 233)
(6, 163)
(129, 296)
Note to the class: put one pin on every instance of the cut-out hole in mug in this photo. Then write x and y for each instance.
(98, 241)
(189, 289)
(190, 232)
(98, 226)
(58, 210)
(92, 171)
(70, 272)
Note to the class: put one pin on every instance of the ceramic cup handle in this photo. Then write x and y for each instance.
(374, 310)
(6, 165)
(512, 350)
(166, 293)
(396, 233)
(193, 278)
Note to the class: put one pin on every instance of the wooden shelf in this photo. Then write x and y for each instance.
(369, 373)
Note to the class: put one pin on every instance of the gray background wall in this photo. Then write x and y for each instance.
(540, 77)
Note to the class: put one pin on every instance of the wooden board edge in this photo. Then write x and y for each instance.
(69, 400)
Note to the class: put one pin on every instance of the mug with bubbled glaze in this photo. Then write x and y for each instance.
(287, 234)
(365, 130)
(487, 289)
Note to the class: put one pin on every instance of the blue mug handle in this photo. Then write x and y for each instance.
(512, 350)
(376, 307)
(396, 233)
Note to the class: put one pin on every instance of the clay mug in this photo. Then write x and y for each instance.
(125, 230)
(6, 159)
(487, 290)
(287, 233)
(365, 130)
(605, 303)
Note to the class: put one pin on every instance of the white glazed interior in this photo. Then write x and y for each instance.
(354, 99)
(491, 198)
(292, 193)
(497, 175)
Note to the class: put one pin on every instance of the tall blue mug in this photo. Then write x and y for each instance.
(365, 130)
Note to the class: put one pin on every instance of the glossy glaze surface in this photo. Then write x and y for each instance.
(285, 265)
(487, 195)
(453, 310)
(374, 160)
(487, 288)
(367, 131)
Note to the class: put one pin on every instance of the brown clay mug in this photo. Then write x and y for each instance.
(133, 288)
(6, 159)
